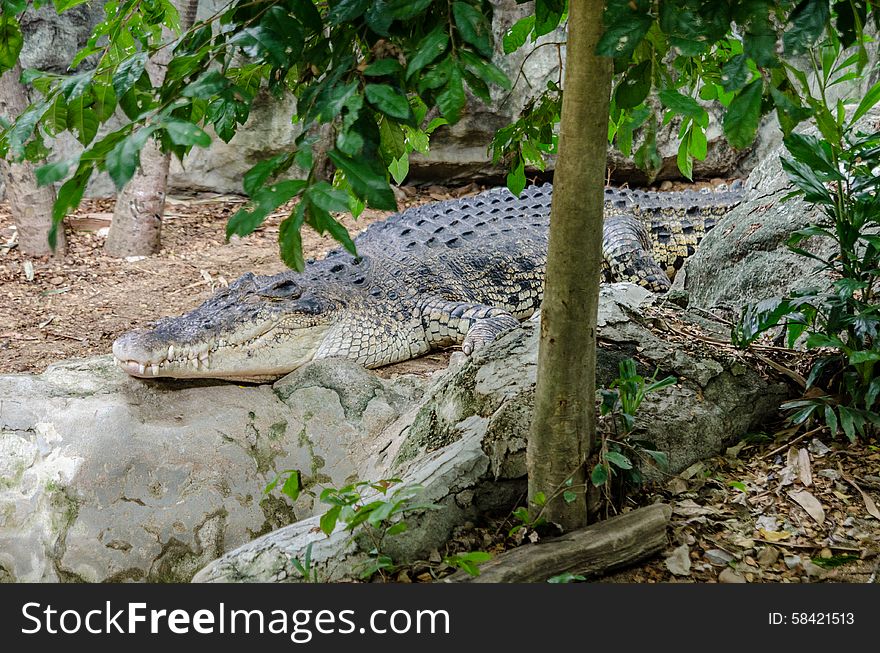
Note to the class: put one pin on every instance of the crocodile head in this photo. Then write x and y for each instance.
(258, 329)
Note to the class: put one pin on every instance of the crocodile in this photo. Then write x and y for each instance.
(457, 272)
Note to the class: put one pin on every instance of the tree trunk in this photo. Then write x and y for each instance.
(30, 204)
(136, 229)
(564, 421)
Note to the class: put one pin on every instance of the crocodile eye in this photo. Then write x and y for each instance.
(281, 289)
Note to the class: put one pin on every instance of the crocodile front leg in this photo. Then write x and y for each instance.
(473, 326)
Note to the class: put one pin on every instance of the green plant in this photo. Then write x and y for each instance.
(304, 568)
(566, 577)
(838, 173)
(366, 508)
(469, 562)
(621, 401)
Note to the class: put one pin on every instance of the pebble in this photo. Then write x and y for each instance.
(728, 575)
(56, 281)
(768, 556)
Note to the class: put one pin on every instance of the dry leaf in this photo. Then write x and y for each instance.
(805, 472)
(870, 506)
(774, 536)
(809, 503)
(679, 562)
(29, 270)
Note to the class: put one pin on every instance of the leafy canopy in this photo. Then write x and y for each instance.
(386, 73)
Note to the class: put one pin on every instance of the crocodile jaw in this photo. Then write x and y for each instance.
(266, 356)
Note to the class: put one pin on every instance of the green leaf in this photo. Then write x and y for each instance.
(185, 133)
(52, 172)
(389, 101)
(104, 98)
(516, 178)
(290, 245)
(485, 70)
(735, 73)
(345, 11)
(398, 528)
(516, 36)
(55, 119)
(281, 37)
(867, 103)
(805, 24)
(452, 100)
(659, 457)
(82, 118)
(623, 36)
(123, 159)
(548, 13)
(804, 177)
(847, 422)
(684, 105)
(206, 86)
(428, 49)
(292, 485)
(831, 420)
(399, 168)
(383, 67)
(618, 460)
(63, 5)
(263, 202)
(325, 196)
(744, 115)
(260, 173)
(11, 41)
(684, 159)
(128, 73)
(329, 519)
(70, 195)
(367, 179)
(473, 27)
(599, 476)
(568, 496)
(813, 153)
(634, 87)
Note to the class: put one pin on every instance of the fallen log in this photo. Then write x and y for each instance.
(591, 551)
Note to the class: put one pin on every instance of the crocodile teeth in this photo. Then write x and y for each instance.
(154, 369)
(170, 352)
(141, 368)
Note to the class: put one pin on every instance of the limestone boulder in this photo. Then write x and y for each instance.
(464, 443)
(108, 478)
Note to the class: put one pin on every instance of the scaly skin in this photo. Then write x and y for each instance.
(459, 272)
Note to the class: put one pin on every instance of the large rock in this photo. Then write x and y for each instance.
(104, 477)
(466, 441)
(745, 258)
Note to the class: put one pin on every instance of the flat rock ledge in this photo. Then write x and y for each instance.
(464, 442)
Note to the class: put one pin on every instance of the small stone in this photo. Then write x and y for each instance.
(679, 562)
(768, 556)
(793, 561)
(825, 553)
(728, 575)
(56, 281)
(718, 557)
